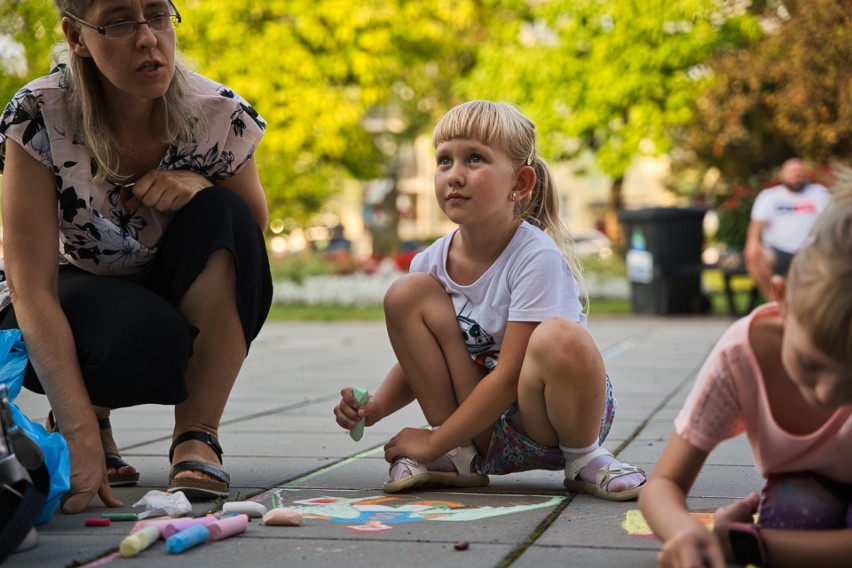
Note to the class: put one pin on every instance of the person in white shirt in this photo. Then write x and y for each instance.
(489, 331)
(781, 217)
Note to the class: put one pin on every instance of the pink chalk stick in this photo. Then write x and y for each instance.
(178, 525)
(228, 526)
(159, 522)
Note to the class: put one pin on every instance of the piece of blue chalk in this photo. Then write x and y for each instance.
(186, 539)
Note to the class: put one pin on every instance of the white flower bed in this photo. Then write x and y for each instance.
(361, 289)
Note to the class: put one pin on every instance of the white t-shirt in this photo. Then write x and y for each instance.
(789, 215)
(529, 282)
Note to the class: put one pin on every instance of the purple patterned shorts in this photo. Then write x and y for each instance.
(805, 501)
(511, 451)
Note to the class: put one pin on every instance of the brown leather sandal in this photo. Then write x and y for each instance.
(196, 488)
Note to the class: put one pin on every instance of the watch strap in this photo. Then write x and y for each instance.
(747, 544)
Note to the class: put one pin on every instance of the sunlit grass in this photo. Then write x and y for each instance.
(331, 313)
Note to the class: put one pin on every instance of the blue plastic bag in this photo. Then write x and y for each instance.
(13, 363)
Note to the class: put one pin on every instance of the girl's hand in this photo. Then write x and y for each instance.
(88, 473)
(693, 547)
(414, 443)
(348, 412)
(741, 511)
(166, 190)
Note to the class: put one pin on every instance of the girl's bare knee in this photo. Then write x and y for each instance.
(559, 343)
(407, 291)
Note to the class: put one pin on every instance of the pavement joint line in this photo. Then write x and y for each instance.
(245, 418)
(542, 527)
(326, 468)
(619, 348)
(607, 354)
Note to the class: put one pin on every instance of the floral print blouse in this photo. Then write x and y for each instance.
(96, 232)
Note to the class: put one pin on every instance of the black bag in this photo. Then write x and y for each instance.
(24, 483)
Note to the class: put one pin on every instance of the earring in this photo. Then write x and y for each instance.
(514, 195)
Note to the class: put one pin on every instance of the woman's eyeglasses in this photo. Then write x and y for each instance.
(158, 23)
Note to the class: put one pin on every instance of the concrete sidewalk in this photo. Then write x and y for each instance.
(283, 448)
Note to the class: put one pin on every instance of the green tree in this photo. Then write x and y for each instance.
(615, 77)
(322, 73)
(340, 82)
(790, 94)
(29, 28)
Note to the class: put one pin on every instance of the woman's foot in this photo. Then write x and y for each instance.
(193, 455)
(119, 472)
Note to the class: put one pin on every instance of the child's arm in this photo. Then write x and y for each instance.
(807, 548)
(478, 412)
(392, 395)
(686, 542)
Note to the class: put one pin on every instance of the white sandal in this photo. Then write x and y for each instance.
(461, 457)
(610, 471)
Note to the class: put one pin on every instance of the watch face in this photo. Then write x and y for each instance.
(746, 546)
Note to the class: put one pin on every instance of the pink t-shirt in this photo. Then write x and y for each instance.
(729, 397)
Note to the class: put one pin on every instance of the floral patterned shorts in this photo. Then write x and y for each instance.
(512, 451)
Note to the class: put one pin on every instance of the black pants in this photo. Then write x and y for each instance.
(132, 342)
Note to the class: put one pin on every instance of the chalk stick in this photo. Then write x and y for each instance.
(229, 526)
(138, 541)
(362, 396)
(186, 539)
(178, 525)
(159, 522)
(283, 516)
(251, 508)
(97, 522)
(120, 516)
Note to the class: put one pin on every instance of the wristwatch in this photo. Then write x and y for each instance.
(747, 544)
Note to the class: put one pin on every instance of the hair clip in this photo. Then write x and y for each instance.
(530, 158)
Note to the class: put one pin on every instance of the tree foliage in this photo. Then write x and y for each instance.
(337, 80)
(32, 27)
(343, 83)
(790, 94)
(610, 76)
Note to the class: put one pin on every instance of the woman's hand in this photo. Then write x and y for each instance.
(348, 411)
(88, 473)
(414, 443)
(166, 190)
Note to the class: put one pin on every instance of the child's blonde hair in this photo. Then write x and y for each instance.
(820, 278)
(504, 125)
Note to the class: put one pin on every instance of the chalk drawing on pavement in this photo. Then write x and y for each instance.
(636, 525)
(380, 513)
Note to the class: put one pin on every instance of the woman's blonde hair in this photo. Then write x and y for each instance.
(820, 277)
(178, 116)
(504, 125)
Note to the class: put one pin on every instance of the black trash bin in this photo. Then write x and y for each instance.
(664, 259)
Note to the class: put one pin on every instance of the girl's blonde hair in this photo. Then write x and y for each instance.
(502, 124)
(820, 277)
(177, 117)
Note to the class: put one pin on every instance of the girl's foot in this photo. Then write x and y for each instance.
(453, 469)
(600, 474)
